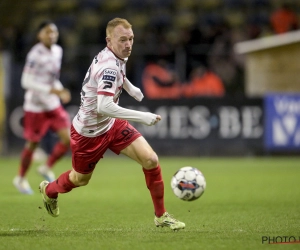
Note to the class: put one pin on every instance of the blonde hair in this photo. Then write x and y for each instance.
(114, 23)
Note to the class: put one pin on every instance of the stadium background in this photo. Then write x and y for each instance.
(185, 33)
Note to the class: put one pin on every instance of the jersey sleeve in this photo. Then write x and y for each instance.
(30, 75)
(107, 79)
(32, 63)
(28, 81)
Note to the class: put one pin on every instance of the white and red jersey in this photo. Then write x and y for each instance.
(105, 76)
(43, 66)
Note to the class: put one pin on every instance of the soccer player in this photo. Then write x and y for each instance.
(102, 124)
(42, 104)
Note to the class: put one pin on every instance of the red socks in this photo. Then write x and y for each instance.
(153, 178)
(155, 185)
(26, 158)
(59, 150)
(61, 185)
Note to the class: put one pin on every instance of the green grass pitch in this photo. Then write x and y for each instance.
(245, 199)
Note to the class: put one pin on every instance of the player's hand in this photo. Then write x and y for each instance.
(152, 119)
(63, 94)
(158, 118)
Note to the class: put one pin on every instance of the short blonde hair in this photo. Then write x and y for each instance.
(114, 23)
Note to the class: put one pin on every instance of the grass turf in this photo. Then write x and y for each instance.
(245, 199)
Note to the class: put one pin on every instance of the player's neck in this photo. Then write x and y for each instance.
(48, 47)
(122, 59)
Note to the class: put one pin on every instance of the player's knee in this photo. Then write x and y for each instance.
(31, 145)
(80, 182)
(64, 138)
(65, 141)
(151, 161)
(79, 179)
(83, 182)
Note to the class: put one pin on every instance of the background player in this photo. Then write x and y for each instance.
(102, 124)
(42, 106)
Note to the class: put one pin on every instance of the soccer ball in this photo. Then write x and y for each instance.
(188, 183)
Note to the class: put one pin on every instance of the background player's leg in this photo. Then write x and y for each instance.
(58, 151)
(60, 148)
(20, 181)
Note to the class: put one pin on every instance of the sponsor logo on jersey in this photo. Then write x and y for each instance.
(109, 78)
(110, 72)
(109, 75)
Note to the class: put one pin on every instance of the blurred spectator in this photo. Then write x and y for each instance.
(160, 81)
(187, 31)
(197, 45)
(204, 82)
(284, 19)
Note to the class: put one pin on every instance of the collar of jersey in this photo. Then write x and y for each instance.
(124, 60)
(45, 48)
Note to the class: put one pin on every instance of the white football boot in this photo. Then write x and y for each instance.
(22, 185)
(46, 172)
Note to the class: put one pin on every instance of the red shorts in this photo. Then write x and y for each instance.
(36, 125)
(87, 151)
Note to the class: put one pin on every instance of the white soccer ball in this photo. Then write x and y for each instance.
(188, 183)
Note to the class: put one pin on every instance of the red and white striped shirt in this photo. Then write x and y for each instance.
(105, 76)
(40, 74)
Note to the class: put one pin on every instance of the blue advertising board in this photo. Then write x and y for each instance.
(282, 122)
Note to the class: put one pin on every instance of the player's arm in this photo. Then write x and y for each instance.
(106, 106)
(63, 93)
(28, 81)
(135, 92)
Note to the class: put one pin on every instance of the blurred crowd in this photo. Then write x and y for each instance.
(183, 48)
